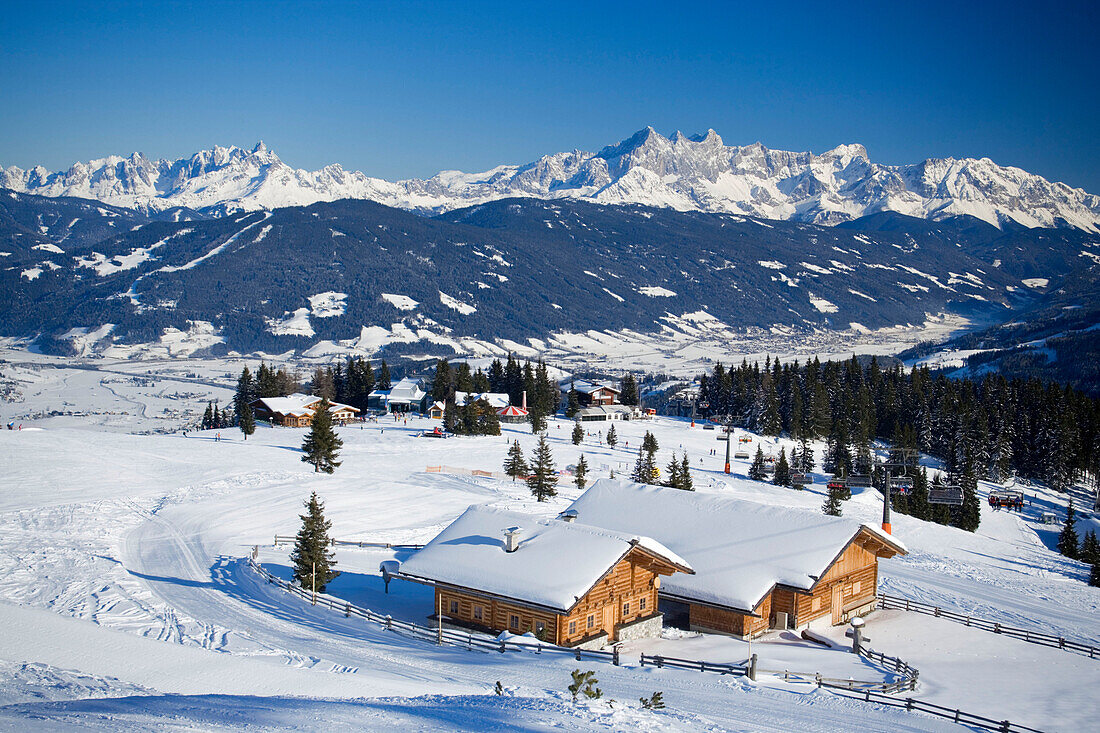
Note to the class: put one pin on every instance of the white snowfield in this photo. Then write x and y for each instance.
(121, 574)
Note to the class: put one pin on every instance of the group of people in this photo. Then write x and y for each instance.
(11, 425)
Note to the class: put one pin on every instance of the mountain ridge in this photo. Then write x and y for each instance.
(698, 172)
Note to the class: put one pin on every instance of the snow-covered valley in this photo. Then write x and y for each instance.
(122, 566)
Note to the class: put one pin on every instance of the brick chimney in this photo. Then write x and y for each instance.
(524, 399)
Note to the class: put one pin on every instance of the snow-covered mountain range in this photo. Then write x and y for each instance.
(684, 173)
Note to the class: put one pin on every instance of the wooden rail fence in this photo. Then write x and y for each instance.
(1032, 637)
(872, 692)
(281, 539)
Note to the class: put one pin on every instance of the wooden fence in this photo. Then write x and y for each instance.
(1032, 637)
(288, 539)
(912, 704)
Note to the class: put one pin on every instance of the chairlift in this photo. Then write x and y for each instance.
(801, 479)
(948, 495)
(741, 455)
(744, 439)
(859, 481)
(1006, 499)
(901, 484)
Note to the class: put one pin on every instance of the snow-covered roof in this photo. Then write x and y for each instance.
(296, 404)
(739, 549)
(299, 405)
(555, 564)
(406, 390)
(495, 399)
(585, 387)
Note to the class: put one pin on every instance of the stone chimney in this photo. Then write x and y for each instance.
(524, 399)
(569, 515)
(511, 538)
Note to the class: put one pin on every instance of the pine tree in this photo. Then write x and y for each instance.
(643, 468)
(628, 394)
(672, 479)
(578, 433)
(685, 474)
(311, 556)
(208, 417)
(649, 445)
(612, 437)
(756, 470)
(572, 403)
(515, 465)
(782, 470)
(831, 507)
(384, 376)
(807, 465)
(1090, 549)
(543, 478)
(246, 391)
(247, 423)
(580, 473)
(321, 445)
(969, 515)
(1094, 576)
(537, 420)
(443, 386)
(1067, 539)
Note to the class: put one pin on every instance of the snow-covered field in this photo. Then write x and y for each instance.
(127, 603)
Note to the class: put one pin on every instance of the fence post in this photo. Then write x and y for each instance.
(615, 656)
(752, 668)
(996, 628)
(936, 611)
(504, 647)
(1061, 643)
(660, 661)
(347, 611)
(389, 623)
(642, 662)
(578, 653)
(1006, 726)
(817, 676)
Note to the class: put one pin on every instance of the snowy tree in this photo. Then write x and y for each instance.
(246, 421)
(649, 445)
(578, 433)
(612, 437)
(782, 470)
(1067, 539)
(384, 376)
(580, 473)
(628, 394)
(756, 468)
(312, 558)
(246, 391)
(1090, 549)
(321, 445)
(831, 506)
(543, 478)
(572, 402)
(685, 474)
(643, 468)
(515, 465)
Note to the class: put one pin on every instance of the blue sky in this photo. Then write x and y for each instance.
(406, 89)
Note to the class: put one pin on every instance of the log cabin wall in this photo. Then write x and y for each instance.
(855, 573)
(496, 615)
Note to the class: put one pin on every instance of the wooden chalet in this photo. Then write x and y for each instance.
(757, 566)
(591, 394)
(435, 412)
(298, 410)
(566, 583)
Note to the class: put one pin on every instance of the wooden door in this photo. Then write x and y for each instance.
(609, 620)
(838, 604)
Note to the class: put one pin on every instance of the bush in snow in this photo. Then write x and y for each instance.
(584, 683)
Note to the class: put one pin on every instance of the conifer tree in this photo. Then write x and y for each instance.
(1094, 575)
(649, 445)
(572, 403)
(384, 376)
(543, 479)
(1067, 539)
(537, 420)
(451, 421)
(1090, 549)
(643, 468)
(969, 515)
(321, 445)
(612, 438)
(247, 423)
(578, 433)
(782, 470)
(312, 558)
(443, 383)
(831, 507)
(488, 422)
(807, 465)
(628, 393)
(685, 474)
(246, 391)
(672, 478)
(756, 470)
(208, 417)
(515, 465)
(580, 474)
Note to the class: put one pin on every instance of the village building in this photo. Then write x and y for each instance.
(757, 566)
(435, 412)
(603, 413)
(512, 414)
(590, 394)
(567, 583)
(298, 410)
(405, 396)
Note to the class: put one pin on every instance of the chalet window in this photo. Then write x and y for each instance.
(641, 604)
(477, 613)
(626, 608)
(454, 607)
(591, 620)
(572, 627)
(815, 604)
(513, 621)
(856, 587)
(540, 628)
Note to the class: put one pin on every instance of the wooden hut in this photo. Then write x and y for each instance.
(298, 410)
(566, 583)
(757, 566)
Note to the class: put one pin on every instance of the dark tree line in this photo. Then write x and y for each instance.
(350, 383)
(985, 428)
(503, 378)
